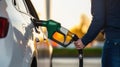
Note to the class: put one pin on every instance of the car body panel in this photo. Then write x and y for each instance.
(19, 47)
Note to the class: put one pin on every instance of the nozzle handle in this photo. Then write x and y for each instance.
(75, 37)
(80, 51)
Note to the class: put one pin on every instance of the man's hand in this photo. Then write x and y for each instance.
(79, 44)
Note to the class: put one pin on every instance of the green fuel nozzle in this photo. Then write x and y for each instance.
(56, 32)
(60, 35)
(52, 26)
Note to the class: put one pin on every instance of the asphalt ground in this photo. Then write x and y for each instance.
(74, 62)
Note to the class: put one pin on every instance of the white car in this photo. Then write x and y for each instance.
(21, 43)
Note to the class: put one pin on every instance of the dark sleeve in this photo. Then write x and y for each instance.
(97, 23)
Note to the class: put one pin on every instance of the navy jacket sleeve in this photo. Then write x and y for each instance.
(97, 23)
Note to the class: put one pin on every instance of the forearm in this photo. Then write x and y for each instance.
(98, 21)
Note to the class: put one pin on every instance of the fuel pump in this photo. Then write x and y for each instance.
(60, 35)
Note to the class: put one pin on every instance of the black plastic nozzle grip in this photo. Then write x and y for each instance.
(80, 51)
(75, 38)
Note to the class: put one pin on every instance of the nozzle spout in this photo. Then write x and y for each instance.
(39, 22)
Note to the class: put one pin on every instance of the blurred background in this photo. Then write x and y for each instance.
(74, 15)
